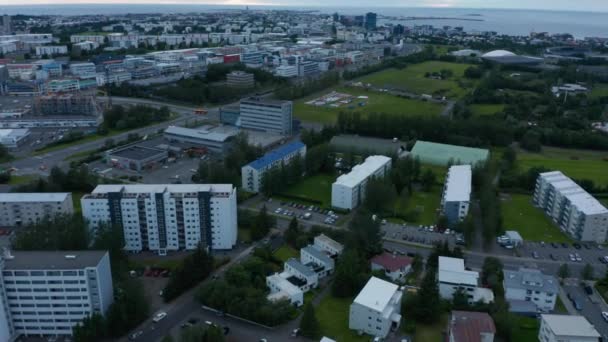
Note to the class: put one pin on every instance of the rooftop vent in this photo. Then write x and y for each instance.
(70, 256)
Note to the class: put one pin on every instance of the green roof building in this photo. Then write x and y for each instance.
(442, 154)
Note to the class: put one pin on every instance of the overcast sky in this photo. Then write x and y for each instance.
(578, 5)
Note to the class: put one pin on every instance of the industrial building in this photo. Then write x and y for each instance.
(166, 217)
(253, 172)
(212, 140)
(48, 293)
(240, 79)
(348, 191)
(376, 310)
(267, 115)
(452, 275)
(136, 158)
(13, 138)
(456, 193)
(22, 209)
(573, 209)
(532, 286)
(444, 154)
(566, 328)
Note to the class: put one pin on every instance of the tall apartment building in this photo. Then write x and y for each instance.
(20, 209)
(50, 292)
(240, 79)
(573, 209)
(267, 115)
(348, 191)
(7, 24)
(377, 308)
(530, 285)
(566, 328)
(162, 217)
(456, 193)
(253, 172)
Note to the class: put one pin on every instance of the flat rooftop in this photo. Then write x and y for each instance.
(441, 154)
(452, 270)
(160, 188)
(136, 152)
(362, 171)
(458, 184)
(49, 260)
(214, 135)
(578, 196)
(567, 325)
(34, 196)
(376, 294)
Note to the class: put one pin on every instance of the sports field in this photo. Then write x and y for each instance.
(375, 103)
(413, 79)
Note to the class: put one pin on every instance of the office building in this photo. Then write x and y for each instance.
(566, 328)
(230, 115)
(370, 21)
(136, 158)
(267, 115)
(21, 209)
(394, 266)
(452, 276)
(166, 217)
(308, 68)
(50, 292)
(253, 173)
(63, 86)
(82, 69)
(467, 326)
(213, 141)
(254, 59)
(530, 285)
(456, 193)
(240, 79)
(573, 209)
(377, 308)
(13, 138)
(348, 191)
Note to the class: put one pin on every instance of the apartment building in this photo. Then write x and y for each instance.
(348, 191)
(456, 193)
(566, 328)
(240, 79)
(573, 209)
(50, 292)
(21, 209)
(531, 285)
(377, 308)
(286, 71)
(452, 276)
(252, 173)
(468, 326)
(162, 217)
(267, 115)
(51, 50)
(82, 69)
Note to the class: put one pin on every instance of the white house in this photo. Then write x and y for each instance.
(377, 309)
(348, 191)
(565, 328)
(531, 286)
(321, 263)
(330, 246)
(282, 288)
(452, 275)
(396, 267)
(308, 278)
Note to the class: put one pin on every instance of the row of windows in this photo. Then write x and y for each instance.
(41, 273)
(47, 297)
(44, 313)
(19, 289)
(42, 320)
(44, 282)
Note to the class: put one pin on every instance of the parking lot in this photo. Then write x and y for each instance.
(590, 305)
(577, 252)
(313, 214)
(428, 235)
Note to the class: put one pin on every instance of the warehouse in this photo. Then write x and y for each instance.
(217, 140)
(443, 154)
(13, 138)
(136, 158)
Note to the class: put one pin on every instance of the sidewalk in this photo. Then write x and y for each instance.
(567, 303)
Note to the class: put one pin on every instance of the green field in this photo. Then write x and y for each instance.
(285, 252)
(316, 188)
(376, 103)
(426, 203)
(413, 79)
(518, 213)
(600, 90)
(527, 329)
(486, 109)
(332, 314)
(431, 333)
(577, 164)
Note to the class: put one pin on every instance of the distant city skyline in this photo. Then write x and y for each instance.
(580, 5)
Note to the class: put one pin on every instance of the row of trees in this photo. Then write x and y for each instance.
(259, 225)
(280, 177)
(308, 87)
(192, 270)
(119, 117)
(76, 179)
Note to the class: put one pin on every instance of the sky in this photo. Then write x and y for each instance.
(578, 5)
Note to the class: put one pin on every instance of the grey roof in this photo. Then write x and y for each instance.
(296, 264)
(347, 142)
(137, 152)
(317, 254)
(52, 260)
(34, 196)
(522, 306)
(530, 279)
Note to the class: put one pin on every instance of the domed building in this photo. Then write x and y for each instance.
(510, 58)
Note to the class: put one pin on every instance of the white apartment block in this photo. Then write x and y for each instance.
(531, 285)
(565, 328)
(162, 217)
(266, 115)
(575, 211)
(281, 288)
(307, 278)
(452, 275)
(47, 293)
(457, 193)
(252, 173)
(377, 309)
(51, 50)
(318, 260)
(348, 191)
(20, 209)
(286, 71)
(330, 246)
(82, 69)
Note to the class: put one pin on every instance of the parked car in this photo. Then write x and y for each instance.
(535, 255)
(565, 245)
(572, 258)
(159, 316)
(135, 335)
(554, 245)
(605, 316)
(578, 257)
(588, 289)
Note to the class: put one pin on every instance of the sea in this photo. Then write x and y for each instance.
(505, 21)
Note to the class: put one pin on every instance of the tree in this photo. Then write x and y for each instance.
(350, 275)
(309, 325)
(193, 269)
(564, 271)
(429, 305)
(442, 222)
(292, 233)
(167, 338)
(262, 224)
(417, 263)
(531, 141)
(460, 301)
(379, 193)
(428, 180)
(587, 272)
(364, 234)
(492, 275)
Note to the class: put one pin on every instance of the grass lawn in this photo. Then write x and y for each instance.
(413, 79)
(486, 109)
(316, 188)
(333, 314)
(244, 235)
(578, 164)
(377, 102)
(599, 90)
(76, 196)
(18, 180)
(425, 202)
(431, 333)
(527, 329)
(519, 214)
(285, 252)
